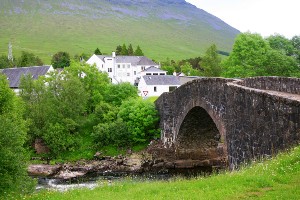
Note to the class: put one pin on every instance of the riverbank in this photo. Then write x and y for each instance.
(278, 178)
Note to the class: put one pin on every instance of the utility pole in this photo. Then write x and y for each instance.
(10, 55)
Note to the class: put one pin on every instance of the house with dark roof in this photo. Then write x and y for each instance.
(121, 68)
(155, 85)
(14, 74)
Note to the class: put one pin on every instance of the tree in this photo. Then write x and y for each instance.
(116, 94)
(138, 51)
(124, 51)
(119, 50)
(248, 56)
(97, 51)
(14, 159)
(296, 45)
(170, 69)
(281, 43)
(141, 118)
(130, 50)
(28, 59)
(188, 70)
(5, 63)
(60, 60)
(211, 62)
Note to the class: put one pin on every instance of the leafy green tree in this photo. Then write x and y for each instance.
(130, 50)
(124, 51)
(119, 50)
(60, 60)
(54, 106)
(138, 51)
(115, 94)
(188, 70)
(28, 59)
(5, 63)
(95, 83)
(141, 118)
(14, 159)
(81, 57)
(97, 51)
(296, 44)
(170, 69)
(281, 43)
(211, 62)
(247, 57)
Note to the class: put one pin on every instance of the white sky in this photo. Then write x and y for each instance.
(265, 17)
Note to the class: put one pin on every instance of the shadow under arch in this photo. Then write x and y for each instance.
(199, 139)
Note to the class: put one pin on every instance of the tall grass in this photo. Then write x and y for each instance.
(278, 178)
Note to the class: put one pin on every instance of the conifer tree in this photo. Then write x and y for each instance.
(97, 51)
(130, 50)
(138, 51)
(118, 50)
(124, 51)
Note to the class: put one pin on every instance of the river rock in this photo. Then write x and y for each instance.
(43, 170)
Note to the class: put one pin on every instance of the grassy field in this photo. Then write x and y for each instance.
(278, 178)
(82, 29)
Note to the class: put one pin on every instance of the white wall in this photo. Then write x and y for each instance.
(148, 90)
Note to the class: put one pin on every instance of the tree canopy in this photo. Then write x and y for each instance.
(211, 62)
(60, 60)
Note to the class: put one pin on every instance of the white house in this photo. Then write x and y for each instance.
(14, 74)
(122, 68)
(155, 85)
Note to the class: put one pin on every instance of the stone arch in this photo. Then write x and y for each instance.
(201, 136)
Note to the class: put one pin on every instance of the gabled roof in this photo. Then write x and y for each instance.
(153, 69)
(134, 60)
(14, 74)
(161, 80)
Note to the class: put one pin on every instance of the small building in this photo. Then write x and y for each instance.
(14, 74)
(155, 85)
(122, 68)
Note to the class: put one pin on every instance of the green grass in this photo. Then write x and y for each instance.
(278, 178)
(47, 33)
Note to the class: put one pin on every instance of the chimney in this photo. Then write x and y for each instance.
(113, 54)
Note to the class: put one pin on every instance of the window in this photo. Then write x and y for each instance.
(162, 74)
(109, 69)
(128, 66)
(102, 66)
(134, 72)
(148, 74)
(109, 59)
(128, 74)
(155, 89)
(119, 66)
(142, 68)
(155, 73)
(123, 65)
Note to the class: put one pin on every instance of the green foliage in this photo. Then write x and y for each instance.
(124, 51)
(115, 132)
(253, 56)
(5, 63)
(54, 106)
(95, 83)
(138, 51)
(117, 93)
(28, 59)
(170, 69)
(97, 51)
(141, 118)
(188, 70)
(118, 50)
(60, 60)
(130, 50)
(211, 62)
(13, 169)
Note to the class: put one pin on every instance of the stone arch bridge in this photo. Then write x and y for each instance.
(225, 122)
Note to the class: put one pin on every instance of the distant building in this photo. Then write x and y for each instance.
(122, 68)
(14, 74)
(155, 85)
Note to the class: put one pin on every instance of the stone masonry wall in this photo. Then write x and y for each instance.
(253, 121)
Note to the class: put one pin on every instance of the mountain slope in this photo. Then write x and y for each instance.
(163, 28)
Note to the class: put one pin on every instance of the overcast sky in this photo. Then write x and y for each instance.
(265, 17)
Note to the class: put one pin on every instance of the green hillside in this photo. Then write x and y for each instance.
(169, 28)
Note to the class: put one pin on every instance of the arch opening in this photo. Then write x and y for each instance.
(199, 139)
